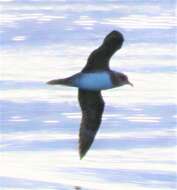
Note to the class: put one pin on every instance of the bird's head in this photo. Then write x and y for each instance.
(120, 79)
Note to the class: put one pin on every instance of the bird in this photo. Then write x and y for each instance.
(90, 81)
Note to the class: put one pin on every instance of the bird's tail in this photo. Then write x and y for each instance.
(58, 82)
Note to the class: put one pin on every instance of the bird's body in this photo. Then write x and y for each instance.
(93, 81)
(93, 78)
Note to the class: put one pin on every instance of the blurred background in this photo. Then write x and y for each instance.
(42, 40)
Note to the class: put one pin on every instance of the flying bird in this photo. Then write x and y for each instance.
(93, 78)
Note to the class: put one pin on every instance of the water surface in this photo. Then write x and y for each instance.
(135, 146)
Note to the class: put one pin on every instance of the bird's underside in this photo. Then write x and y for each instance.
(92, 106)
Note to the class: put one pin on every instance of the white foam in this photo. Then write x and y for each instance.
(19, 38)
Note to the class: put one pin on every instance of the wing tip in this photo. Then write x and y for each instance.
(82, 153)
(85, 142)
(81, 156)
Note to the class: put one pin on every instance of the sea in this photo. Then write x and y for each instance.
(135, 147)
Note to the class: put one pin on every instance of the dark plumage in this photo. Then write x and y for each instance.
(93, 78)
(92, 106)
(99, 58)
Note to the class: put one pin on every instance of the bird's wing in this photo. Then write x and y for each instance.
(99, 58)
(92, 106)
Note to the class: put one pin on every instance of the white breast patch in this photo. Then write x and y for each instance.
(94, 81)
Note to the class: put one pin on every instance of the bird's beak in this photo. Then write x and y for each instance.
(130, 83)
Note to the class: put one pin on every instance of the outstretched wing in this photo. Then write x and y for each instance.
(99, 58)
(92, 106)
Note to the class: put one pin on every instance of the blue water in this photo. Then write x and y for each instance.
(136, 143)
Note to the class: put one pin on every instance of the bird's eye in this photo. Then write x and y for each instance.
(123, 77)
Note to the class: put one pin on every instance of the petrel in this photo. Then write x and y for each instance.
(93, 78)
